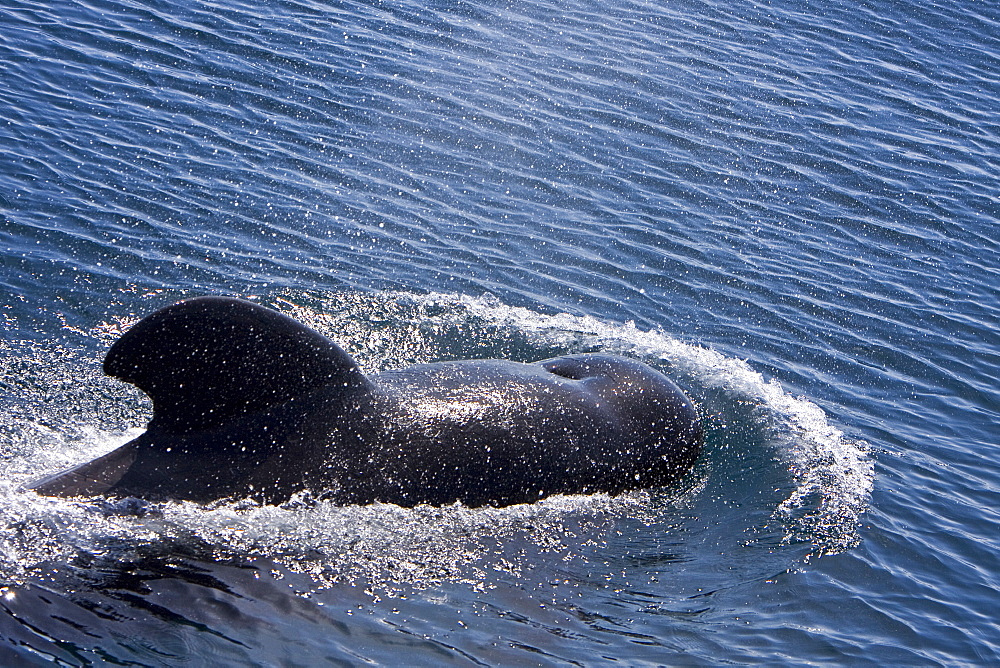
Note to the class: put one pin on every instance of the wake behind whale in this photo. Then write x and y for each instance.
(248, 403)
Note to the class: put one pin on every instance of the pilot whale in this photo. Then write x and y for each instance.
(249, 403)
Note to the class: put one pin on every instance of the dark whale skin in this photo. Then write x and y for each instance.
(248, 403)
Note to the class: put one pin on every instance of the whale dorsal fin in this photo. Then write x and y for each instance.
(207, 360)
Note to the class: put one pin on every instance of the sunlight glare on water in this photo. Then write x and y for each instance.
(790, 208)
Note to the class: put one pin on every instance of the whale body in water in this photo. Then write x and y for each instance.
(249, 403)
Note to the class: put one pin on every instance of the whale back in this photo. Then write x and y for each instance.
(207, 360)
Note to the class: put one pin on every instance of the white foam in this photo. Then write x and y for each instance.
(832, 475)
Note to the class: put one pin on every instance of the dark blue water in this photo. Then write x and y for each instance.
(790, 207)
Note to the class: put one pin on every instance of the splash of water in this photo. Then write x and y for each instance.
(832, 477)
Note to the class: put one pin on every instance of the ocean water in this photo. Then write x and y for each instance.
(791, 208)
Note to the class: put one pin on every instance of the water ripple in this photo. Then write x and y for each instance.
(810, 186)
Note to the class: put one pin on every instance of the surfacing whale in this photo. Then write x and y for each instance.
(249, 403)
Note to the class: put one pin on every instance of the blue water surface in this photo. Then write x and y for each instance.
(790, 207)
